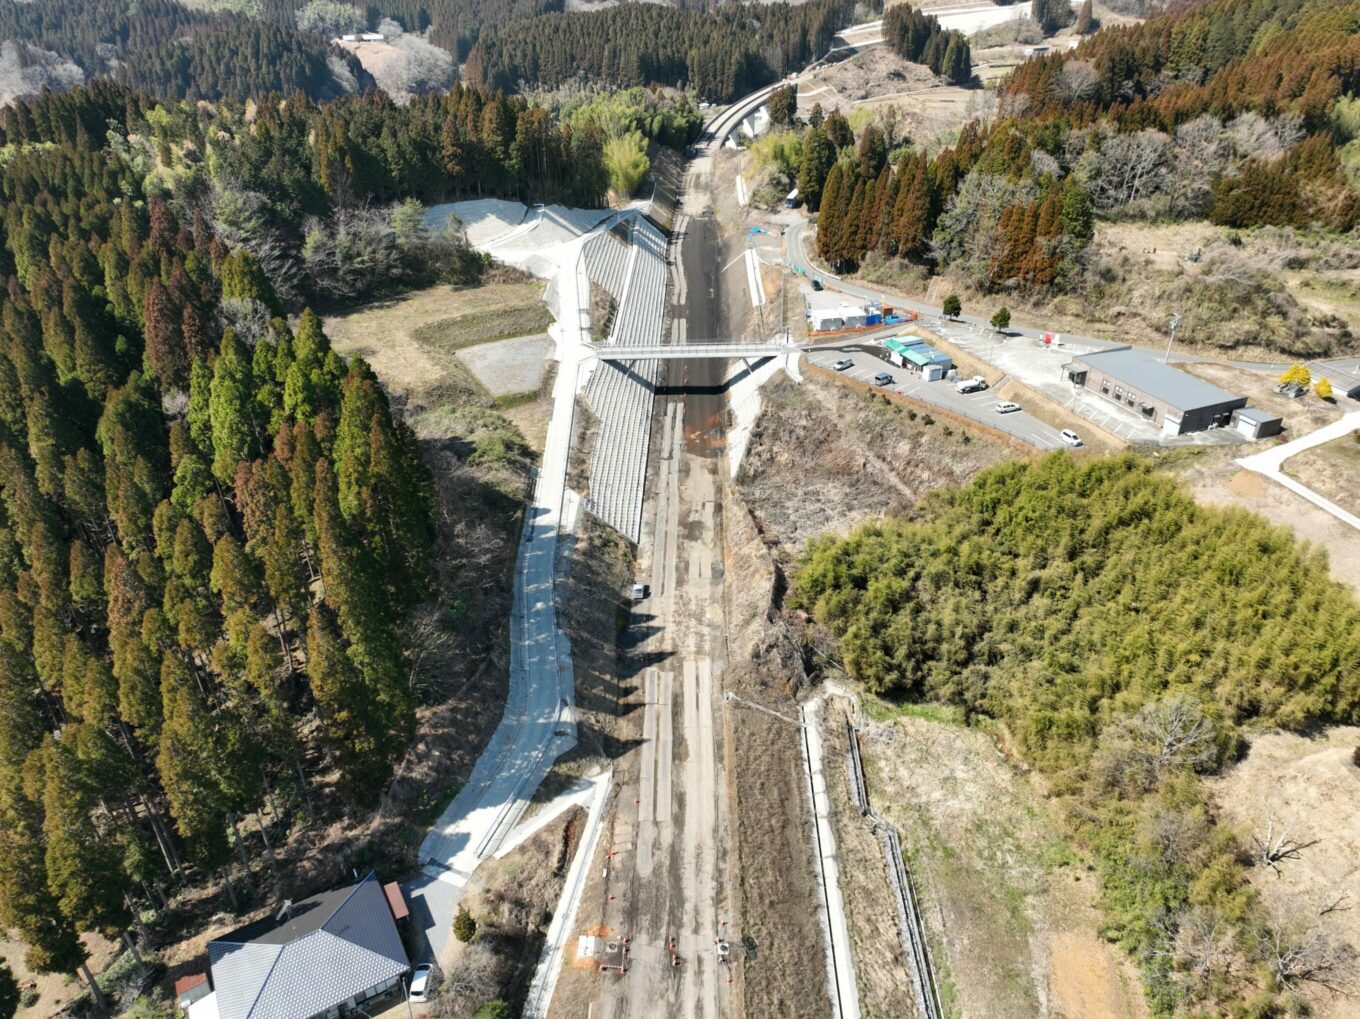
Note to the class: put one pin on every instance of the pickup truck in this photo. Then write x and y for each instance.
(974, 385)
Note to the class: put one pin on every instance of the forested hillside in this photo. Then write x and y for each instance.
(212, 527)
(453, 24)
(456, 25)
(176, 52)
(1125, 637)
(919, 38)
(1228, 110)
(721, 54)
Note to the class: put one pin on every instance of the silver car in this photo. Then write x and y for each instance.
(422, 983)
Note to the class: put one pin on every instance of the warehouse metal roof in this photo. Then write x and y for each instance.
(1156, 380)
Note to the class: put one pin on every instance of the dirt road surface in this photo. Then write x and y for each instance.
(666, 884)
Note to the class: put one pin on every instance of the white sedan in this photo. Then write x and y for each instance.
(420, 983)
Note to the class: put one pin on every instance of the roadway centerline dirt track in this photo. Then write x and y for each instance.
(667, 876)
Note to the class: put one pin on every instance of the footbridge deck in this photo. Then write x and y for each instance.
(686, 351)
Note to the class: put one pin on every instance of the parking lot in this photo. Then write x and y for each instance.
(1039, 366)
(980, 406)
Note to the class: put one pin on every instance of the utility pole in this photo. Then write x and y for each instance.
(729, 695)
(1175, 321)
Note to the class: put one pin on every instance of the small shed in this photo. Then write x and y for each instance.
(190, 988)
(926, 361)
(397, 901)
(1255, 423)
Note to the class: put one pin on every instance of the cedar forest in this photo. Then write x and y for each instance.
(212, 526)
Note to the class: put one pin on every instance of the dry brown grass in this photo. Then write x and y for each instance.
(470, 328)
(384, 331)
(1313, 781)
(877, 79)
(512, 900)
(1332, 470)
(881, 966)
(855, 456)
(1004, 898)
(771, 854)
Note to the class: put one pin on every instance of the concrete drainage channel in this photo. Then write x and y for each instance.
(911, 928)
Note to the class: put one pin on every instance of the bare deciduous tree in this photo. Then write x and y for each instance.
(1306, 956)
(1277, 841)
(242, 218)
(426, 640)
(1129, 168)
(477, 978)
(1177, 833)
(1077, 81)
(1043, 163)
(248, 318)
(174, 403)
(1168, 734)
(1199, 941)
(966, 236)
(330, 18)
(1199, 155)
(26, 70)
(1177, 732)
(1255, 137)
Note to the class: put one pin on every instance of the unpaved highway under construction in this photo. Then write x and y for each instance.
(667, 884)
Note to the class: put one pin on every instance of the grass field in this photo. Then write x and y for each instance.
(471, 328)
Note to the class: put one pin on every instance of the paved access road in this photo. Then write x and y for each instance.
(538, 724)
(980, 406)
(1270, 462)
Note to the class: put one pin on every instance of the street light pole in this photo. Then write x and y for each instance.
(1175, 321)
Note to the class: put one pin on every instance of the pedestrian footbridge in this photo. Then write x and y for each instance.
(691, 351)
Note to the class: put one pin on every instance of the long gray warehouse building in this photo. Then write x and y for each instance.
(1165, 396)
